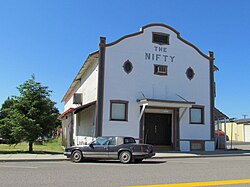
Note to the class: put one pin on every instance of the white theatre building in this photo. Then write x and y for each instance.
(152, 85)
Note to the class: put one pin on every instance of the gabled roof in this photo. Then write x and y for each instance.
(242, 121)
(80, 108)
(83, 69)
(96, 54)
(76, 110)
(166, 26)
(219, 115)
(65, 113)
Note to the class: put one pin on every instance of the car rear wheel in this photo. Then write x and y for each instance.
(125, 157)
(77, 156)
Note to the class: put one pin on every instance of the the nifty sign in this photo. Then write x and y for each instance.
(159, 54)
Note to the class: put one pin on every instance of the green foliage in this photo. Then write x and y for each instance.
(30, 115)
(50, 147)
(6, 108)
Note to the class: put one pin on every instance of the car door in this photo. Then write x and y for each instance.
(98, 148)
(113, 148)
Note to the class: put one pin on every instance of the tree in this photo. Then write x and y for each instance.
(5, 128)
(6, 107)
(32, 115)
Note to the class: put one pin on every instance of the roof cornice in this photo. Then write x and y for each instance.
(165, 26)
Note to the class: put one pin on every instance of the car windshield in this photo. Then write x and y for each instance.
(101, 141)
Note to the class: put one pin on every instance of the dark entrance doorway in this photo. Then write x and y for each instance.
(158, 129)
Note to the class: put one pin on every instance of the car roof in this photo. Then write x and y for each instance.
(116, 137)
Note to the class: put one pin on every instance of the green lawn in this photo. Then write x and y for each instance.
(50, 147)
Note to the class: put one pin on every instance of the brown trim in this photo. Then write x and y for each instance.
(161, 34)
(165, 101)
(158, 107)
(173, 132)
(161, 25)
(118, 102)
(211, 55)
(202, 114)
(80, 108)
(100, 87)
(177, 129)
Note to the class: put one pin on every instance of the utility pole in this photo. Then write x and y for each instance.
(244, 115)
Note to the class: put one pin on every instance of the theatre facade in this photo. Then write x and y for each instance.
(152, 85)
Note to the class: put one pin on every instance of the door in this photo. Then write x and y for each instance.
(158, 129)
(247, 133)
(98, 148)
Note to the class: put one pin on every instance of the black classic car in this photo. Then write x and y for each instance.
(123, 148)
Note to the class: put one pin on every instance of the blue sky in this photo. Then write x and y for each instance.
(52, 38)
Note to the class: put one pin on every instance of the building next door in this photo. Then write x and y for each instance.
(158, 129)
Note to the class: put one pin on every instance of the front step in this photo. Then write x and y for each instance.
(163, 148)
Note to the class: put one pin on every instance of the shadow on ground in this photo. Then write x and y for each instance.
(118, 162)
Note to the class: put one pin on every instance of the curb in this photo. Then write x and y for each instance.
(155, 157)
(203, 156)
(32, 159)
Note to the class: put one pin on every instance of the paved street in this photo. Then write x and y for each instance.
(113, 173)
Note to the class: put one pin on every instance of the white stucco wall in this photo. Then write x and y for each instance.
(87, 85)
(141, 81)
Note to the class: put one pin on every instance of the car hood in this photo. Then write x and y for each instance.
(81, 146)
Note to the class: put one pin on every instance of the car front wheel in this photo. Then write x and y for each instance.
(77, 156)
(125, 157)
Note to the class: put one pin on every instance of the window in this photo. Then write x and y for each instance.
(101, 141)
(190, 73)
(160, 69)
(127, 66)
(119, 110)
(160, 38)
(129, 140)
(112, 141)
(197, 115)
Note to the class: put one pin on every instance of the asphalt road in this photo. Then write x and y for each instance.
(113, 173)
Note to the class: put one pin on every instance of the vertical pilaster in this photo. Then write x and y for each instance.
(211, 55)
(177, 129)
(100, 88)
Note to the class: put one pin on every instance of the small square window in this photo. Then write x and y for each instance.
(119, 110)
(160, 69)
(77, 98)
(197, 115)
(160, 38)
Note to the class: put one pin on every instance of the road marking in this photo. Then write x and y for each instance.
(22, 167)
(195, 184)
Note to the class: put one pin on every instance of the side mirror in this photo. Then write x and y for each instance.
(91, 145)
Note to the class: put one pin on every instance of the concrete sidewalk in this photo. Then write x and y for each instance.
(61, 157)
(31, 157)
